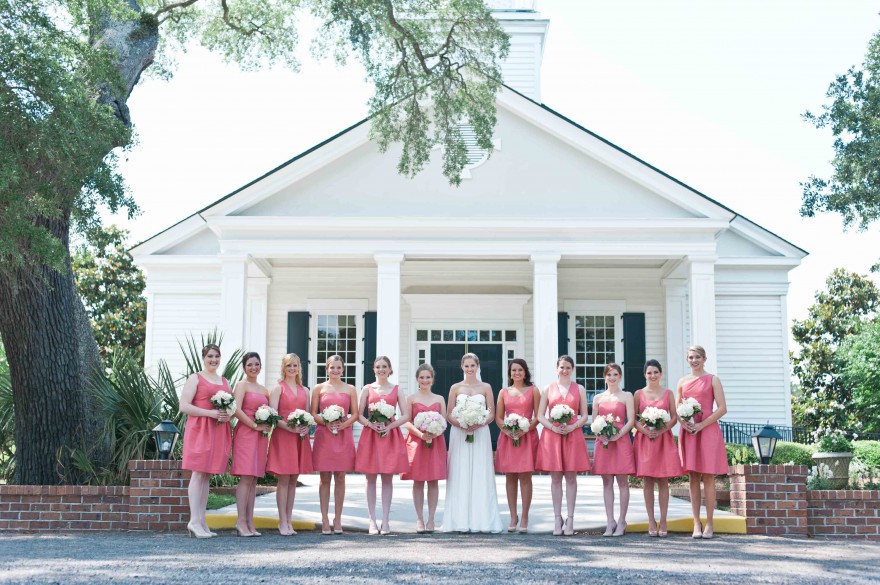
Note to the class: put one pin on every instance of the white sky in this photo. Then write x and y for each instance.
(709, 91)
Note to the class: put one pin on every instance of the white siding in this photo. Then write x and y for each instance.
(173, 317)
(751, 358)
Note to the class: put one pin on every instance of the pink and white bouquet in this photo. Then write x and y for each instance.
(688, 408)
(430, 422)
(266, 415)
(381, 412)
(333, 413)
(470, 412)
(516, 423)
(654, 418)
(562, 414)
(300, 418)
(224, 401)
(604, 425)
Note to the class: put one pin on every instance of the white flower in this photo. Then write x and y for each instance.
(382, 409)
(688, 408)
(265, 413)
(562, 413)
(332, 413)
(300, 418)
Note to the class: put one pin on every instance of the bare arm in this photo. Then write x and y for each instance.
(411, 428)
(316, 405)
(352, 402)
(362, 406)
(499, 412)
(585, 411)
(490, 404)
(244, 419)
(628, 424)
(542, 409)
(673, 413)
(453, 395)
(404, 417)
(720, 404)
(536, 403)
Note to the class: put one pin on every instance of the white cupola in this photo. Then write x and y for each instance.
(527, 30)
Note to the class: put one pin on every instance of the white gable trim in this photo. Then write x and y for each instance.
(172, 236)
(761, 237)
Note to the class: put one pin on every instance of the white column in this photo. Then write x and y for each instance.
(701, 293)
(676, 332)
(257, 316)
(388, 309)
(233, 303)
(545, 307)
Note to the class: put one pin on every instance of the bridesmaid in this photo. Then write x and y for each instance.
(333, 454)
(208, 436)
(381, 450)
(518, 463)
(656, 454)
(249, 443)
(562, 450)
(613, 456)
(426, 465)
(700, 443)
(290, 451)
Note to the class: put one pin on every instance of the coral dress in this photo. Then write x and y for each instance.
(377, 454)
(703, 452)
(249, 447)
(618, 458)
(288, 453)
(333, 452)
(521, 459)
(425, 464)
(206, 444)
(657, 458)
(558, 452)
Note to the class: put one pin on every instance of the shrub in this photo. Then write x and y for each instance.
(835, 444)
(793, 453)
(868, 453)
(740, 455)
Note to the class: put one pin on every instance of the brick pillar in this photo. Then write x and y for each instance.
(772, 498)
(157, 495)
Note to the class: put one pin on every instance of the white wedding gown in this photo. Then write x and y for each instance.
(471, 500)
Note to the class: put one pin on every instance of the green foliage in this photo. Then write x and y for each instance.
(853, 116)
(861, 356)
(824, 402)
(112, 290)
(835, 443)
(868, 453)
(217, 501)
(740, 455)
(7, 421)
(793, 453)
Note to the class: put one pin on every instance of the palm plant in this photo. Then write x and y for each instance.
(7, 422)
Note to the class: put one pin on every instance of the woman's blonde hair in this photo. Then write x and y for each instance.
(425, 368)
(699, 349)
(291, 358)
(470, 356)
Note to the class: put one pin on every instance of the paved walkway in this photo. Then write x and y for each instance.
(589, 514)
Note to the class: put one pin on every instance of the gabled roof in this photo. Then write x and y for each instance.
(540, 115)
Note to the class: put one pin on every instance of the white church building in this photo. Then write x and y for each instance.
(560, 243)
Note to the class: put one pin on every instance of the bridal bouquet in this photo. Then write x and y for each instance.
(333, 413)
(688, 408)
(654, 418)
(604, 426)
(381, 412)
(224, 401)
(300, 418)
(266, 415)
(514, 422)
(470, 412)
(430, 422)
(562, 414)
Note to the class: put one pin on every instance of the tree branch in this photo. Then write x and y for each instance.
(174, 6)
(392, 20)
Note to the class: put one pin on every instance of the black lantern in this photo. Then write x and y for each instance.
(764, 442)
(166, 435)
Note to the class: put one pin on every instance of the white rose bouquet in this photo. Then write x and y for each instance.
(654, 418)
(603, 425)
(513, 423)
(266, 415)
(470, 412)
(333, 413)
(382, 412)
(430, 422)
(300, 418)
(224, 401)
(688, 408)
(562, 414)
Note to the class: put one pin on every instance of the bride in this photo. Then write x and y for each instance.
(471, 499)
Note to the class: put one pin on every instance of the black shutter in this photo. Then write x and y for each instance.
(562, 333)
(370, 347)
(633, 351)
(298, 339)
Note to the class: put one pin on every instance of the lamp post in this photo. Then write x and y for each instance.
(764, 443)
(166, 434)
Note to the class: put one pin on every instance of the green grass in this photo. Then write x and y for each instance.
(217, 501)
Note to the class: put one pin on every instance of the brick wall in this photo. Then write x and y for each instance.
(155, 499)
(846, 513)
(772, 498)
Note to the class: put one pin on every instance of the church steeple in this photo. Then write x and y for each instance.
(527, 30)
